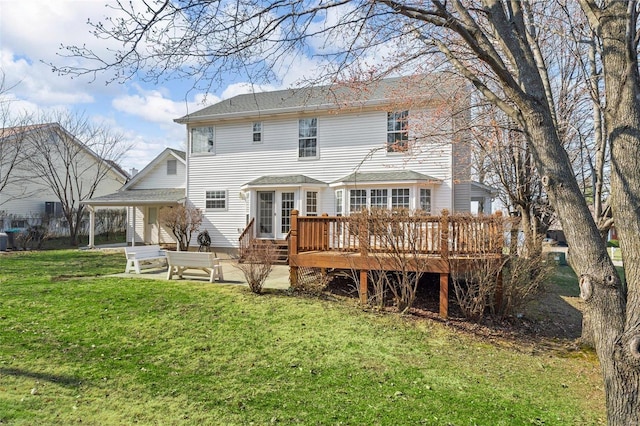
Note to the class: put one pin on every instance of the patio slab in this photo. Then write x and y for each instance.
(278, 279)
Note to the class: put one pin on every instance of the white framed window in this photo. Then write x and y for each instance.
(312, 203)
(203, 140)
(357, 200)
(397, 131)
(216, 200)
(379, 199)
(288, 203)
(339, 202)
(172, 167)
(425, 200)
(257, 132)
(399, 198)
(308, 138)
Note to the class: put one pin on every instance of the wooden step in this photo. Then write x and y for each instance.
(281, 249)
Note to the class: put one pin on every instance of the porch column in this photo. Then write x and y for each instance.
(92, 227)
(133, 226)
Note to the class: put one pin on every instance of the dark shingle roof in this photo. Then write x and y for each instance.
(408, 90)
(284, 180)
(139, 196)
(386, 176)
(179, 153)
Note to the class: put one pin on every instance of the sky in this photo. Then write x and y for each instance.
(31, 35)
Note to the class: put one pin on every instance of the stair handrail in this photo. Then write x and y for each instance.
(246, 236)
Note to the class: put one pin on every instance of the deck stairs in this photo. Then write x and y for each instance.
(281, 249)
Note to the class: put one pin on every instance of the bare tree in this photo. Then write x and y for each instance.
(497, 45)
(183, 221)
(72, 157)
(11, 136)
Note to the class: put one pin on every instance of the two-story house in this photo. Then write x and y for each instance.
(397, 144)
(42, 164)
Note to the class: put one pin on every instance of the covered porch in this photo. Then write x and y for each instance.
(142, 206)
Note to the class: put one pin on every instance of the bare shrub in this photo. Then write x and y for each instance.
(524, 280)
(257, 264)
(475, 286)
(479, 292)
(392, 240)
(182, 221)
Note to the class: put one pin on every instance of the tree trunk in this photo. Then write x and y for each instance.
(620, 343)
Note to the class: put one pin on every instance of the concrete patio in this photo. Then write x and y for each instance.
(278, 279)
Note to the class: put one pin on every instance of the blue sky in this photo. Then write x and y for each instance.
(32, 31)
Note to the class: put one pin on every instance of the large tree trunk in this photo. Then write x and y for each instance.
(620, 342)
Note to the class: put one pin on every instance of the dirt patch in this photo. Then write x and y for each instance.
(553, 322)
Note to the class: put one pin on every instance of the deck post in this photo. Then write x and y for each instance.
(444, 234)
(364, 297)
(325, 232)
(293, 248)
(444, 295)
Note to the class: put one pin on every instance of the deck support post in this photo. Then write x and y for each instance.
(364, 297)
(293, 248)
(444, 295)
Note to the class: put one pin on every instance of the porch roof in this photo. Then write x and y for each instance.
(133, 197)
(284, 180)
(387, 176)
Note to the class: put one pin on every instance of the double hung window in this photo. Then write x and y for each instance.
(397, 131)
(216, 200)
(308, 138)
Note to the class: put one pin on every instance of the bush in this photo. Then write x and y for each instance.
(257, 265)
(613, 243)
(523, 280)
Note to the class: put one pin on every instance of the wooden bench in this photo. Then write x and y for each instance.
(140, 257)
(179, 261)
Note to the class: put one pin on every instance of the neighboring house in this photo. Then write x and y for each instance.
(26, 197)
(331, 150)
(160, 184)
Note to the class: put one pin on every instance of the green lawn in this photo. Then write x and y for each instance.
(76, 348)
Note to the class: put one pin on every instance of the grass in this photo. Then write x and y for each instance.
(77, 348)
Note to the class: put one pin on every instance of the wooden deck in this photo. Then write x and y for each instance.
(427, 244)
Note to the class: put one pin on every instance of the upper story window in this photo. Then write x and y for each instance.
(172, 167)
(202, 140)
(308, 138)
(216, 200)
(257, 132)
(425, 199)
(397, 131)
(312, 203)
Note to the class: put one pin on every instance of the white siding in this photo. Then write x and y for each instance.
(346, 142)
(27, 197)
(157, 177)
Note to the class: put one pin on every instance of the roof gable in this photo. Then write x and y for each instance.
(168, 153)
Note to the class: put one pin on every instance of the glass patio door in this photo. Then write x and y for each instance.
(266, 214)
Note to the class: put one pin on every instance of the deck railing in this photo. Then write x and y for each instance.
(445, 235)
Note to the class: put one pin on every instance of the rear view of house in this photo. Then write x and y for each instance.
(395, 144)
